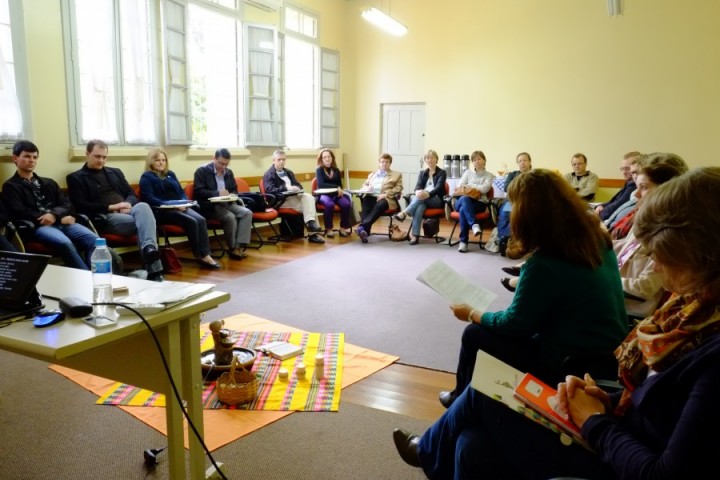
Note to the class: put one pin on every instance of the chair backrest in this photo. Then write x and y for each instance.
(242, 185)
(190, 190)
(314, 184)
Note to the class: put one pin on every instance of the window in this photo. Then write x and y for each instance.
(215, 67)
(264, 121)
(112, 75)
(14, 120)
(330, 93)
(300, 61)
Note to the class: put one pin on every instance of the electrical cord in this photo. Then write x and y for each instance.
(172, 383)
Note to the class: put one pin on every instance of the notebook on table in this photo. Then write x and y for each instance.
(19, 275)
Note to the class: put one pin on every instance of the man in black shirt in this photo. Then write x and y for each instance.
(39, 200)
(104, 195)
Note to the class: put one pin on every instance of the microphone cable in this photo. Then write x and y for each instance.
(172, 383)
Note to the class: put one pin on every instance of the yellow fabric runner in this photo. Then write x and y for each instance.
(225, 426)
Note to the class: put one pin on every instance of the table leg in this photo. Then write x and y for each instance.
(192, 380)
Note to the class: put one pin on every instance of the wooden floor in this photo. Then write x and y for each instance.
(398, 388)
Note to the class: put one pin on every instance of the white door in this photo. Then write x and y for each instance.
(403, 137)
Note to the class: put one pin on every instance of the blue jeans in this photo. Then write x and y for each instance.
(69, 240)
(467, 208)
(417, 207)
(329, 202)
(140, 221)
(478, 437)
(504, 221)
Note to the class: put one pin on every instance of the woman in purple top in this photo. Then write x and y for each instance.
(328, 176)
(664, 423)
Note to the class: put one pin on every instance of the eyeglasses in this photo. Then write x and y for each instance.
(624, 169)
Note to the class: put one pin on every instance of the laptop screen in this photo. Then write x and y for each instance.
(19, 274)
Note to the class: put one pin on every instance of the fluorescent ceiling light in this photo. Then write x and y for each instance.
(385, 22)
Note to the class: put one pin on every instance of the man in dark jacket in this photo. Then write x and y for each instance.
(609, 207)
(103, 194)
(280, 181)
(38, 200)
(216, 180)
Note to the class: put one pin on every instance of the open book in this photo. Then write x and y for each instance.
(281, 350)
(454, 287)
(523, 393)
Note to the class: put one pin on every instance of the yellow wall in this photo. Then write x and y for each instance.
(550, 77)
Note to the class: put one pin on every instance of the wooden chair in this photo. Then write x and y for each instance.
(266, 217)
(482, 218)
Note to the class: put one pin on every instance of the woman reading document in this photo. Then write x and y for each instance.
(663, 424)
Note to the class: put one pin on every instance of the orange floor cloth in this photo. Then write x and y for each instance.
(225, 426)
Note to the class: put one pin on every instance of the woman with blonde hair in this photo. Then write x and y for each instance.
(569, 299)
(429, 193)
(472, 191)
(159, 186)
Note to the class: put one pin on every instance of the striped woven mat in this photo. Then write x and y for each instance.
(308, 394)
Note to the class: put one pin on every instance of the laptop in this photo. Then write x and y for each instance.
(19, 275)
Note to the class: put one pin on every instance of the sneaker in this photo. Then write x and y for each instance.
(463, 247)
(476, 229)
(400, 217)
(313, 227)
(362, 234)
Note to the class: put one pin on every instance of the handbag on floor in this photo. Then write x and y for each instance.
(397, 234)
(170, 261)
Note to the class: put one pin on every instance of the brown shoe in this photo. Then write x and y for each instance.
(406, 445)
(237, 254)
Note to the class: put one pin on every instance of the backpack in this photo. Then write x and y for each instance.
(254, 201)
(431, 226)
(493, 243)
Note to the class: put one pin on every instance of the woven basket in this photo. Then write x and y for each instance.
(236, 387)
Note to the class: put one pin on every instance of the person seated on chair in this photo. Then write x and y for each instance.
(103, 194)
(472, 199)
(328, 176)
(569, 299)
(663, 423)
(215, 179)
(608, 208)
(382, 187)
(649, 177)
(159, 186)
(429, 193)
(279, 180)
(581, 179)
(5, 243)
(524, 163)
(39, 200)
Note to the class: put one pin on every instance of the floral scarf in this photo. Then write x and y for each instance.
(662, 339)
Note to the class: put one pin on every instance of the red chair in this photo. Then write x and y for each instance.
(319, 206)
(212, 224)
(482, 219)
(437, 213)
(291, 221)
(166, 230)
(267, 217)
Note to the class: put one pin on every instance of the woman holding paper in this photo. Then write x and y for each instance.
(160, 188)
(328, 176)
(569, 300)
(663, 424)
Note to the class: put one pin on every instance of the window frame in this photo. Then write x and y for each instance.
(20, 72)
(72, 73)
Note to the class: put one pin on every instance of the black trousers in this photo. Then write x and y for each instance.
(371, 210)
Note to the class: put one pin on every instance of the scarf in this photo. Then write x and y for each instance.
(623, 227)
(661, 340)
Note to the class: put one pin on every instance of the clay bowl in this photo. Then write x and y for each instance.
(210, 371)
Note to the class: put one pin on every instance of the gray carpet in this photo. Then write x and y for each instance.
(370, 292)
(52, 430)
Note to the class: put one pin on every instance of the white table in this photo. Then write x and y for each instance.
(127, 353)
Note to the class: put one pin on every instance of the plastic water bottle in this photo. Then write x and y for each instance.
(101, 266)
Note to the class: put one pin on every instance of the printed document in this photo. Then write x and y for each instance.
(454, 287)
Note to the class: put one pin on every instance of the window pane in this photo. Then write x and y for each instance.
(300, 96)
(137, 68)
(214, 60)
(94, 28)
(11, 117)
